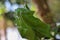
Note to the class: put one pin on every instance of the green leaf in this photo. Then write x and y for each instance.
(30, 26)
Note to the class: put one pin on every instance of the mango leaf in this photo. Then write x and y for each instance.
(29, 26)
